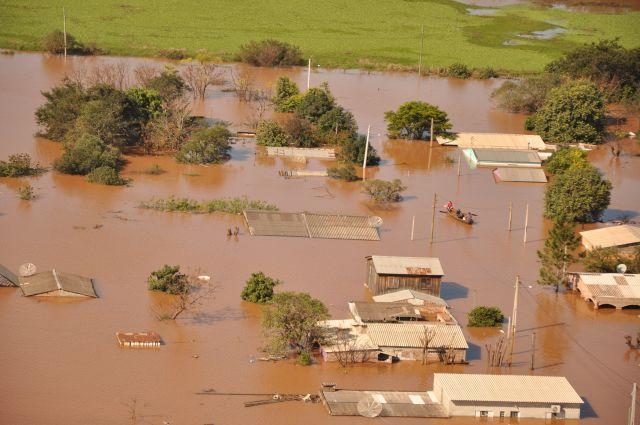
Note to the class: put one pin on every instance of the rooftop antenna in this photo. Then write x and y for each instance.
(621, 268)
(369, 408)
(27, 269)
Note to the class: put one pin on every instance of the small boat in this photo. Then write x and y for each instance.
(465, 219)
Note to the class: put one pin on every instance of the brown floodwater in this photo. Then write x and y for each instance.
(59, 361)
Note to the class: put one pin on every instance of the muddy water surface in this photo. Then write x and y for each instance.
(59, 361)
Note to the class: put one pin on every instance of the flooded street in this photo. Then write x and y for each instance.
(60, 363)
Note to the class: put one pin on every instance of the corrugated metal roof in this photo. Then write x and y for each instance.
(506, 156)
(322, 153)
(7, 277)
(384, 312)
(408, 266)
(410, 335)
(606, 237)
(527, 175)
(609, 279)
(410, 295)
(340, 226)
(42, 283)
(506, 388)
(495, 141)
(273, 223)
(415, 404)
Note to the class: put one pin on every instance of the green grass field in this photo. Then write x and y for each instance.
(336, 33)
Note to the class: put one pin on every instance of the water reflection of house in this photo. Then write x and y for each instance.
(386, 274)
(612, 289)
(615, 236)
(7, 278)
(57, 284)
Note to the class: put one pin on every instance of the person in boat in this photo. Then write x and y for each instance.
(469, 218)
(449, 206)
(459, 214)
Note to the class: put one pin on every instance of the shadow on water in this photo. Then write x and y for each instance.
(474, 352)
(223, 315)
(615, 214)
(453, 290)
(587, 411)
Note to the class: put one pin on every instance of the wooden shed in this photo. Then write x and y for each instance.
(387, 274)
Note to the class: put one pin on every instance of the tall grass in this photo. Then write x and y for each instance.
(227, 205)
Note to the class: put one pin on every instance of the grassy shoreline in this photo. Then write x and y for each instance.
(336, 34)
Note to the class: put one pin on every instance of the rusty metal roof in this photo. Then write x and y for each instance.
(45, 282)
(138, 337)
(7, 277)
(415, 404)
(505, 388)
(411, 335)
(407, 266)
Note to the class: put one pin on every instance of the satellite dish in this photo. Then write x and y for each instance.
(27, 269)
(369, 408)
(621, 268)
(375, 221)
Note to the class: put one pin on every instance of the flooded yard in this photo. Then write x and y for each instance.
(60, 363)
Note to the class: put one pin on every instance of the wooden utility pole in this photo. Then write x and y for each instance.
(533, 349)
(510, 213)
(430, 145)
(366, 152)
(632, 409)
(459, 161)
(433, 216)
(514, 320)
(309, 75)
(526, 222)
(413, 226)
(64, 31)
(421, 48)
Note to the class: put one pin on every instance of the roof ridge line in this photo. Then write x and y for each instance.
(55, 276)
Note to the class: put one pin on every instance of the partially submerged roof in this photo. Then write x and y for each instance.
(415, 404)
(407, 266)
(611, 288)
(363, 311)
(623, 235)
(49, 282)
(495, 141)
(411, 335)
(7, 277)
(503, 157)
(322, 153)
(411, 296)
(506, 388)
(140, 339)
(312, 225)
(525, 175)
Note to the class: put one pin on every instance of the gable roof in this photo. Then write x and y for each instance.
(45, 282)
(606, 237)
(410, 335)
(525, 175)
(364, 311)
(495, 141)
(407, 266)
(7, 277)
(409, 295)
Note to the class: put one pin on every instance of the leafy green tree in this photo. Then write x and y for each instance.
(86, 153)
(338, 120)
(300, 132)
(206, 146)
(147, 103)
(269, 133)
(57, 116)
(286, 97)
(482, 316)
(316, 102)
(169, 85)
(606, 260)
(291, 321)
(412, 120)
(526, 95)
(572, 112)
(384, 192)
(557, 254)
(259, 288)
(19, 165)
(168, 279)
(352, 150)
(106, 175)
(564, 158)
(579, 194)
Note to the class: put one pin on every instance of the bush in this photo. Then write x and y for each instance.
(206, 146)
(85, 154)
(458, 70)
(316, 102)
(304, 358)
(106, 175)
(352, 150)
(54, 43)
(338, 120)
(526, 95)
(168, 279)
(606, 260)
(286, 98)
(485, 73)
(232, 206)
(169, 85)
(345, 171)
(26, 193)
(299, 132)
(269, 133)
(384, 192)
(57, 116)
(579, 194)
(564, 158)
(19, 165)
(270, 53)
(412, 120)
(259, 288)
(485, 317)
(175, 54)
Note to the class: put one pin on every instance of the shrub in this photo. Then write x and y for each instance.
(300, 133)
(206, 146)
(270, 53)
(485, 317)
(169, 85)
(526, 95)
(286, 98)
(344, 171)
(316, 102)
(19, 165)
(606, 260)
(85, 154)
(168, 279)
(106, 175)
(486, 73)
(269, 133)
(175, 54)
(232, 206)
(458, 70)
(259, 288)
(338, 120)
(155, 170)
(54, 43)
(352, 150)
(26, 193)
(564, 158)
(304, 358)
(146, 102)
(412, 120)
(384, 192)
(57, 116)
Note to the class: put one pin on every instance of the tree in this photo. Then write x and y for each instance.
(352, 150)
(106, 175)
(412, 120)
(526, 95)
(291, 321)
(259, 288)
(564, 158)
(168, 279)
(316, 102)
(384, 192)
(572, 112)
(169, 85)
(300, 132)
(54, 42)
(188, 295)
(269, 133)
(57, 116)
(429, 333)
(286, 96)
(146, 103)
(458, 70)
(270, 53)
(606, 260)
(482, 316)
(206, 146)
(343, 171)
(198, 77)
(86, 153)
(579, 194)
(338, 120)
(557, 254)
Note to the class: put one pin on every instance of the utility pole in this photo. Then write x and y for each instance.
(533, 349)
(309, 75)
(510, 213)
(64, 30)
(421, 48)
(413, 226)
(366, 152)
(632, 409)
(433, 217)
(514, 320)
(459, 161)
(526, 223)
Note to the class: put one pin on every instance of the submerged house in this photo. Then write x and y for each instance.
(411, 296)
(502, 158)
(611, 289)
(388, 274)
(506, 396)
(494, 141)
(7, 277)
(57, 284)
(392, 312)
